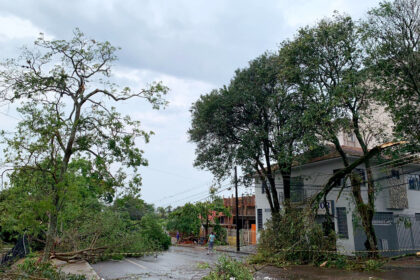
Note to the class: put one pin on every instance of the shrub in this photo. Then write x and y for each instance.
(228, 268)
(152, 231)
(294, 238)
(221, 234)
(30, 269)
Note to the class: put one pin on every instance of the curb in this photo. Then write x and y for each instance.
(234, 252)
(95, 275)
(216, 249)
(80, 267)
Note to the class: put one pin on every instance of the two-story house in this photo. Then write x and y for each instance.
(397, 204)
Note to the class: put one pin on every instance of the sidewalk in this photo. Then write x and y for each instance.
(247, 250)
(78, 268)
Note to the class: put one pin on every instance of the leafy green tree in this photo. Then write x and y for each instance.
(331, 60)
(134, 206)
(209, 212)
(185, 219)
(151, 229)
(391, 37)
(85, 220)
(63, 93)
(255, 122)
(163, 212)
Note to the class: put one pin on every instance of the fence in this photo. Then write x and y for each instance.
(408, 232)
(246, 237)
(20, 250)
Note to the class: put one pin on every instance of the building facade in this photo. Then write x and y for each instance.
(246, 217)
(397, 212)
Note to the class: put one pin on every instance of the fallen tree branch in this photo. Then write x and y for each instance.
(335, 179)
(85, 254)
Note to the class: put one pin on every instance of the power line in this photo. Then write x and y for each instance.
(10, 116)
(177, 194)
(198, 194)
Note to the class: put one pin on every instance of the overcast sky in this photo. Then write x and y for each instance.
(192, 46)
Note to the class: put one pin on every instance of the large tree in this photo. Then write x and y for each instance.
(256, 122)
(392, 37)
(64, 97)
(330, 60)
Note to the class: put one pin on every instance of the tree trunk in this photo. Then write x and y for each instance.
(367, 218)
(366, 215)
(286, 176)
(50, 238)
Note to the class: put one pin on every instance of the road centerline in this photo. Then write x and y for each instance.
(136, 264)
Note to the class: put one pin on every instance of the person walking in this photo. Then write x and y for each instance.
(212, 238)
(177, 237)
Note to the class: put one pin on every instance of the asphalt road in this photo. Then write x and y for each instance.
(176, 263)
(184, 263)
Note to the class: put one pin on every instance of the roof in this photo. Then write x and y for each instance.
(350, 151)
(331, 153)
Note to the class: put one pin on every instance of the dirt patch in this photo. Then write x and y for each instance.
(302, 272)
(410, 262)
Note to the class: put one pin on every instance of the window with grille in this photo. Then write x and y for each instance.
(413, 182)
(259, 218)
(343, 230)
(296, 189)
(383, 218)
(341, 180)
(361, 173)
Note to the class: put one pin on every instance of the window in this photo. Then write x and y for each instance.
(296, 189)
(259, 219)
(350, 137)
(361, 173)
(263, 186)
(395, 174)
(343, 230)
(341, 180)
(414, 182)
(417, 216)
(383, 218)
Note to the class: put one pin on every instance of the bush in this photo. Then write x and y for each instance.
(294, 238)
(117, 233)
(30, 269)
(348, 263)
(221, 234)
(153, 231)
(228, 268)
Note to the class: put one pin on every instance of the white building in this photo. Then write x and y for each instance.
(397, 213)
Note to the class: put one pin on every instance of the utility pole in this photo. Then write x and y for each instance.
(237, 211)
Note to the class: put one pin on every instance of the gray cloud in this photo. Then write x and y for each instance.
(204, 40)
(191, 45)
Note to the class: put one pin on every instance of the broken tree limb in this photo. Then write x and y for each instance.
(85, 254)
(335, 179)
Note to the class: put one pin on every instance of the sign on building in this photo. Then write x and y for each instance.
(323, 206)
